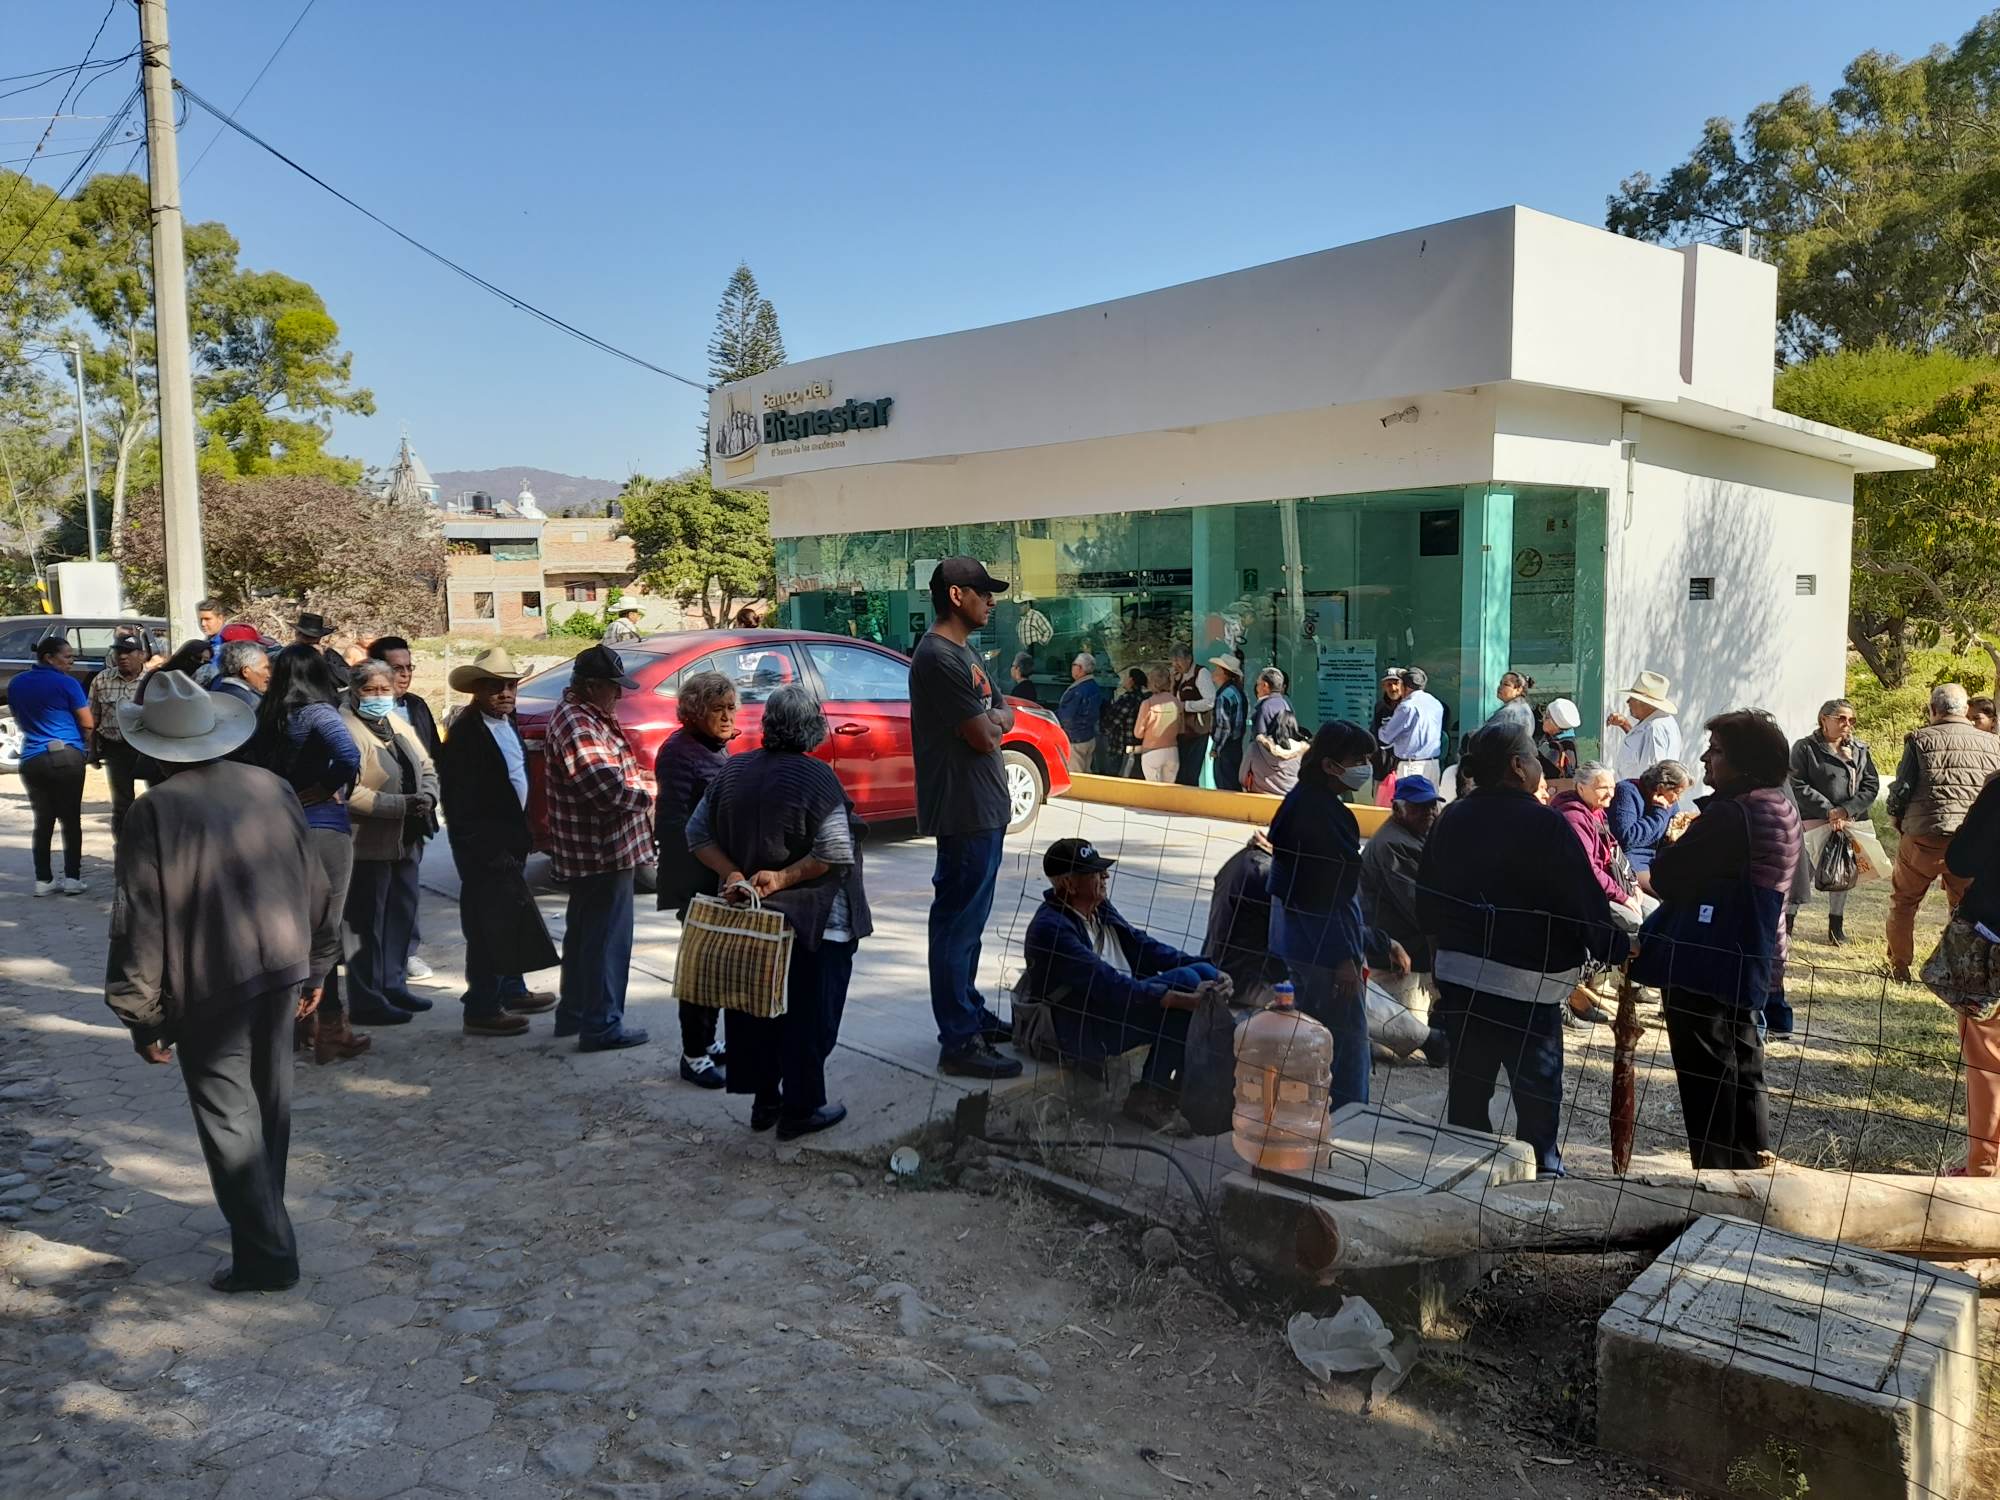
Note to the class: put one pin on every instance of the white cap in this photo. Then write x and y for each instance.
(1562, 713)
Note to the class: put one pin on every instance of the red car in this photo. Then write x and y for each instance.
(864, 688)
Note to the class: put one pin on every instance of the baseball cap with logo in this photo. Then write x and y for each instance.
(1074, 857)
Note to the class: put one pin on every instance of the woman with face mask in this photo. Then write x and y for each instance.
(1316, 924)
(393, 808)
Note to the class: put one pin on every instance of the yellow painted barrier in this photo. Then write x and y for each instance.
(1197, 802)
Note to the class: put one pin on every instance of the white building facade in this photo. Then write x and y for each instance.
(1504, 442)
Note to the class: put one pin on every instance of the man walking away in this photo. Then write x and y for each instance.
(222, 932)
(116, 684)
(1414, 732)
(1944, 765)
(624, 627)
(600, 832)
(1078, 709)
(957, 721)
(411, 707)
(483, 782)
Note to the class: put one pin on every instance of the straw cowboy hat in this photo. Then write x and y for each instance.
(1651, 689)
(491, 665)
(183, 723)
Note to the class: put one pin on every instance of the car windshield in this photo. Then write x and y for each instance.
(545, 689)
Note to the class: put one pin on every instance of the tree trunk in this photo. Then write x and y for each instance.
(1876, 1211)
(1887, 672)
(128, 437)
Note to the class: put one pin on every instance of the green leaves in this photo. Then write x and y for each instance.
(701, 546)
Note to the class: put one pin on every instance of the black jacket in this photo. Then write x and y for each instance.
(482, 815)
(423, 722)
(1975, 852)
(1822, 781)
(1504, 878)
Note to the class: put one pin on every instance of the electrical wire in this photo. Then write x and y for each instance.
(520, 304)
(245, 96)
(63, 103)
(104, 139)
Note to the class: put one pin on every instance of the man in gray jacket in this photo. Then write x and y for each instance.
(222, 932)
(1944, 765)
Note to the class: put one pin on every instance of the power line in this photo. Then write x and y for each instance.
(521, 304)
(244, 98)
(62, 105)
(103, 140)
(96, 70)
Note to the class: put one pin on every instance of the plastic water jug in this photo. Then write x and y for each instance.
(1284, 1065)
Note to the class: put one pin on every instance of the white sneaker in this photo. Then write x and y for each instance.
(47, 887)
(416, 968)
(74, 887)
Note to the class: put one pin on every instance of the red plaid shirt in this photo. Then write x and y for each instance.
(600, 798)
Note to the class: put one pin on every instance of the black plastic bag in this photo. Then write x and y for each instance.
(1838, 867)
(1208, 1073)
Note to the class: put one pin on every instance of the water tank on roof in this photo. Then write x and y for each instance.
(482, 502)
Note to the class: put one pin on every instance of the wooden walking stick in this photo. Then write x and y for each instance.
(1625, 1032)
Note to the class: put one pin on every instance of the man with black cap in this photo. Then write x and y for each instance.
(1108, 986)
(600, 831)
(957, 721)
(117, 683)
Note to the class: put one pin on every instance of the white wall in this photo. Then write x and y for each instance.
(1752, 518)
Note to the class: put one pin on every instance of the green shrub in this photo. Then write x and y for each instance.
(1887, 714)
(581, 625)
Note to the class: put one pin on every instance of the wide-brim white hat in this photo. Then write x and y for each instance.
(181, 722)
(1651, 689)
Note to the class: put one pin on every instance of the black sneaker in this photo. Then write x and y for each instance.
(718, 1053)
(979, 1061)
(993, 1030)
(703, 1073)
(824, 1117)
(617, 1041)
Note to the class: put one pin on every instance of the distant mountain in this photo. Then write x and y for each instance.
(557, 494)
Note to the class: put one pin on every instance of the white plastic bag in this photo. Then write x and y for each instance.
(1355, 1338)
(1874, 862)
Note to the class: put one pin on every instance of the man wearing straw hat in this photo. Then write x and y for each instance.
(483, 777)
(1652, 733)
(222, 932)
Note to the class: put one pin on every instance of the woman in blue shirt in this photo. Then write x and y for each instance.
(1316, 922)
(53, 713)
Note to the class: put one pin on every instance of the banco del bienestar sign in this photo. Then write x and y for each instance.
(804, 415)
(782, 425)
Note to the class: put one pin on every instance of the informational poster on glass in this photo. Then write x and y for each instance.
(1346, 677)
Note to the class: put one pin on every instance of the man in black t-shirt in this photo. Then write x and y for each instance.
(957, 720)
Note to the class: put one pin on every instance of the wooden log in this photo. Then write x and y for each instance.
(1946, 1216)
(1625, 1033)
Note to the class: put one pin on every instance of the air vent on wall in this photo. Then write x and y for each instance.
(1806, 583)
(1701, 588)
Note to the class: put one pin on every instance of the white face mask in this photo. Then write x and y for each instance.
(1356, 777)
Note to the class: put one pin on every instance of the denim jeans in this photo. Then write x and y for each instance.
(1334, 997)
(596, 956)
(967, 865)
(1492, 1032)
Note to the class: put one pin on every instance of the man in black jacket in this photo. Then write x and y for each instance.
(483, 781)
(222, 933)
(1507, 896)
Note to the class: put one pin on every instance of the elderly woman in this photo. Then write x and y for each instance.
(393, 808)
(1275, 745)
(300, 737)
(691, 760)
(1158, 730)
(1117, 725)
(777, 820)
(1556, 741)
(1717, 944)
(1834, 782)
(1584, 807)
(1316, 923)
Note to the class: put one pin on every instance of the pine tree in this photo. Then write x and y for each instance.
(746, 340)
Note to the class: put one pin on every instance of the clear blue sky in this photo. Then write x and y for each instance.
(915, 169)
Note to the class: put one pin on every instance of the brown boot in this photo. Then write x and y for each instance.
(337, 1041)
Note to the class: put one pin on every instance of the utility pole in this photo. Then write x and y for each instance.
(83, 437)
(186, 581)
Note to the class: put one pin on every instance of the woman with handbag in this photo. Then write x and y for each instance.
(776, 821)
(1834, 782)
(1716, 946)
(1975, 854)
(690, 761)
(394, 811)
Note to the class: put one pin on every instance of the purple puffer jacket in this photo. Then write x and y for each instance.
(1761, 846)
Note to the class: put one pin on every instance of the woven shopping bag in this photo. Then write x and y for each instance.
(734, 957)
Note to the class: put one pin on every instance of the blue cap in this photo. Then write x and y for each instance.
(1415, 790)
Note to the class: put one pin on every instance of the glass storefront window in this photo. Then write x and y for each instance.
(1463, 581)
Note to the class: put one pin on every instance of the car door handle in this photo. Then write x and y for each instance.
(850, 729)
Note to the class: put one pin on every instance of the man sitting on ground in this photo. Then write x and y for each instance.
(1108, 986)
(1389, 863)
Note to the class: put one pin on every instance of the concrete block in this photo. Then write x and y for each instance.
(1740, 1342)
(1375, 1151)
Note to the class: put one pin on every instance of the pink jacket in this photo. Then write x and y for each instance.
(1593, 831)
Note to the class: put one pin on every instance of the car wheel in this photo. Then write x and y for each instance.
(10, 742)
(1025, 789)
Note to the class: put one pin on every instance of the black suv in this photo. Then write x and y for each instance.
(90, 636)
